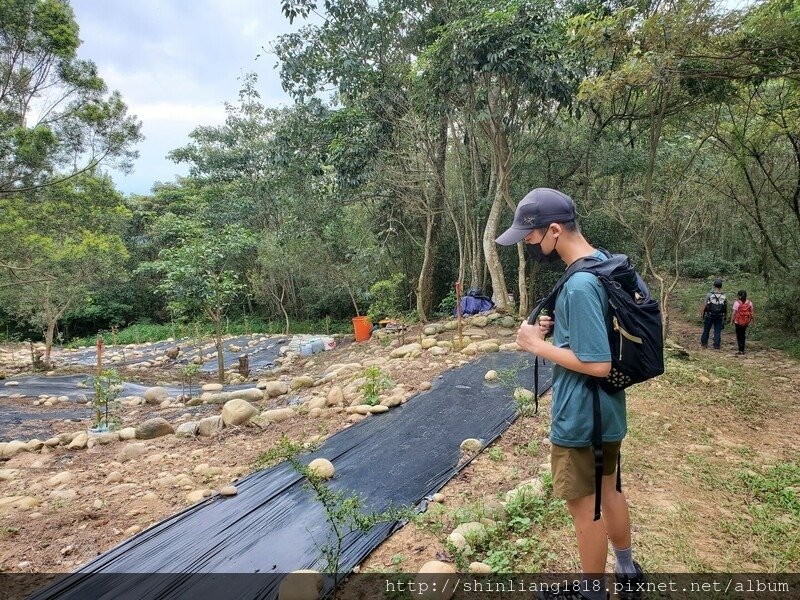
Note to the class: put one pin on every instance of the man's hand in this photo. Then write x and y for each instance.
(529, 337)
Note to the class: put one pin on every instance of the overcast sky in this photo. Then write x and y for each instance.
(176, 62)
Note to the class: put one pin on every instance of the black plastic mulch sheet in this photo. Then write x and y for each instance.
(275, 525)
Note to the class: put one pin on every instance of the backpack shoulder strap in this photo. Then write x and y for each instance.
(582, 264)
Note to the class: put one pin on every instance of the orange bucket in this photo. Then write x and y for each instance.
(363, 328)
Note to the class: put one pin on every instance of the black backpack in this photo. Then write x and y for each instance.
(634, 333)
(720, 307)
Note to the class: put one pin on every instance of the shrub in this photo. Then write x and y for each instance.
(783, 300)
(387, 297)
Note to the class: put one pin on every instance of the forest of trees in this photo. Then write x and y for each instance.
(416, 127)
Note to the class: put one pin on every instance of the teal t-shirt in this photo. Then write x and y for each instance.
(581, 315)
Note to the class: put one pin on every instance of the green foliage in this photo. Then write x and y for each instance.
(376, 382)
(386, 297)
(708, 264)
(55, 111)
(448, 303)
(783, 304)
(107, 386)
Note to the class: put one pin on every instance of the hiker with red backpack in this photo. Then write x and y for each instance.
(714, 313)
(606, 336)
(742, 317)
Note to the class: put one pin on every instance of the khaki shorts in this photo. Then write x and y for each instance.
(573, 469)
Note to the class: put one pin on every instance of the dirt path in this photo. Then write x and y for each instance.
(711, 469)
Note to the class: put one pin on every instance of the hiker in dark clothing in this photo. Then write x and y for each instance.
(743, 315)
(714, 313)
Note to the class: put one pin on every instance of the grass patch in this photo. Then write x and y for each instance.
(771, 517)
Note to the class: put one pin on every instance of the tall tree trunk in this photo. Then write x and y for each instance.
(499, 289)
(216, 316)
(425, 281)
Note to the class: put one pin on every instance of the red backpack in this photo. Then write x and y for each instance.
(744, 314)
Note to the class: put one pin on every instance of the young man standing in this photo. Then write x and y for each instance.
(713, 313)
(546, 220)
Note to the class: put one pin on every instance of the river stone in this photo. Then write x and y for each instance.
(197, 495)
(130, 452)
(528, 488)
(508, 322)
(376, 410)
(479, 321)
(488, 346)
(188, 429)
(248, 394)
(472, 531)
(335, 396)
(403, 351)
(480, 567)
(277, 415)
(434, 576)
(322, 468)
(153, 428)
(276, 388)
(13, 448)
(303, 381)
(34, 445)
(60, 479)
(458, 540)
(429, 330)
(471, 446)
(78, 442)
(490, 375)
(217, 397)
(238, 411)
(127, 433)
(212, 387)
(18, 502)
(428, 343)
(228, 490)
(155, 395)
(210, 425)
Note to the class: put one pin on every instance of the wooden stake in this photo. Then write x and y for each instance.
(99, 355)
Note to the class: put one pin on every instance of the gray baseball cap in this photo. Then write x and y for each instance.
(538, 209)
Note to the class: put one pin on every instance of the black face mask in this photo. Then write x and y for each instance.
(534, 252)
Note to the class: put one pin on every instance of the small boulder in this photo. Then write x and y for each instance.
(130, 452)
(78, 442)
(228, 490)
(490, 375)
(249, 394)
(127, 433)
(212, 387)
(479, 321)
(303, 381)
(322, 468)
(433, 577)
(153, 428)
(471, 446)
(238, 411)
(480, 567)
(210, 426)
(335, 396)
(155, 395)
(188, 429)
(276, 388)
(403, 351)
